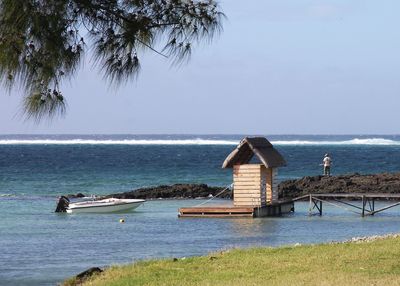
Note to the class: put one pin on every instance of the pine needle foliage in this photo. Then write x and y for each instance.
(42, 42)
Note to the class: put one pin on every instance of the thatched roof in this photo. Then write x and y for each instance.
(258, 146)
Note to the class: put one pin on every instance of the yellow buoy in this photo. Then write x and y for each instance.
(121, 220)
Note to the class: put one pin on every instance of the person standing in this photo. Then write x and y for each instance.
(327, 165)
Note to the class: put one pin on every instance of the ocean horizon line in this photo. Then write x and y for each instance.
(192, 141)
(199, 134)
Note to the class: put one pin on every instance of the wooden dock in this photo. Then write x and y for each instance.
(345, 200)
(216, 212)
(275, 209)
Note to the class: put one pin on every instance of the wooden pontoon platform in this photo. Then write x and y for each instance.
(216, 212)
(275, 209)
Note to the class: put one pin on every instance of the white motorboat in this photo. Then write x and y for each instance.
(103, 206)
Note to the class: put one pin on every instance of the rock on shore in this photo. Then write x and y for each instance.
(354, 183)
(177, 191)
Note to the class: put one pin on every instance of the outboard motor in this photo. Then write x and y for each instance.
(62, 205)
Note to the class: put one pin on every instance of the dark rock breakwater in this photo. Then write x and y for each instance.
(353, 183)
(177, 191)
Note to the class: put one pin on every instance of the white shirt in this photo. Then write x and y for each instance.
(327, 162)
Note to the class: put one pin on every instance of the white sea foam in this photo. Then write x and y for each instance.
(355, 141)
(7, 195)
(117, 142)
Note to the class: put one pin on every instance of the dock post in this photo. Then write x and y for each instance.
(373, 206)
(310, 208)
(363, 206)
(320, 208)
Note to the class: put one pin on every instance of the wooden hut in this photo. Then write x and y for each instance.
(254, 183)
(255, 193)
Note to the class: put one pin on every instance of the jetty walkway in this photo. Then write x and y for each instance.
(347, 201)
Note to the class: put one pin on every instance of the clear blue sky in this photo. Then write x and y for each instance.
(279, 67)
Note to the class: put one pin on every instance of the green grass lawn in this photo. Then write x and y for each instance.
(362, 263)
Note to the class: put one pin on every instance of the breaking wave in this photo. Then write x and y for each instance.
(355, 141)
(118, 142)
(7, 195)
(199, 141)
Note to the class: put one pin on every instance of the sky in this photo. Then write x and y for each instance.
(278, 67)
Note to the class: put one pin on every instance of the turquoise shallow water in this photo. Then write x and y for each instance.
(39, 247)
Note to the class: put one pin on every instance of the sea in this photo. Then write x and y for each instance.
(40, 247)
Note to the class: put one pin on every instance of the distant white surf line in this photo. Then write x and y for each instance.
(7, 195)
(117, 142)
(355, 141)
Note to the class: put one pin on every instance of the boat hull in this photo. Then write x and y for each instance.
(105, 206)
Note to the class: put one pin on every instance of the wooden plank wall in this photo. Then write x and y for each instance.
(275, 194)
(267, 176)
(247, 185)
